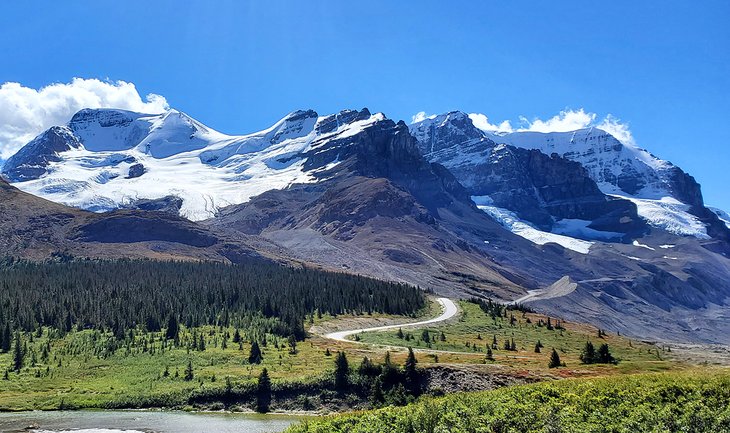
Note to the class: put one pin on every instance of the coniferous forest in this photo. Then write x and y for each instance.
(121, 295)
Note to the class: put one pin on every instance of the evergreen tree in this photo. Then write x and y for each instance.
(494, 342)
(201, 343)
(426, 337)
(263, 392)
(189, 372)
(172, 331)
(410, 373)
(537, 347)
(588, 354)
(7, 339)
(442, 337)
(292, 345)
(255, 357)
(342, 369)
(377, 398)
(554, 360)
(490, 356)
(18, 354)
(399, 334)
(367, 368)
(237, 336)
(604, 355)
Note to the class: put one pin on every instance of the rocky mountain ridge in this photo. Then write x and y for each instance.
(440, 204)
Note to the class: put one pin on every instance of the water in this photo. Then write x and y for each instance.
(143, 421)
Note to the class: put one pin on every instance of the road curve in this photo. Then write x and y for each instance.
(449, 311)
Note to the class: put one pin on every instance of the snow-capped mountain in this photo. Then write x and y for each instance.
(106, 159)
(663, 195)
(724, 216)
(353, 191)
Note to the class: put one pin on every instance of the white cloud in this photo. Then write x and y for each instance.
(421, 116)
(482, 122)
(26, 112)
(619, 130)
(566, 120)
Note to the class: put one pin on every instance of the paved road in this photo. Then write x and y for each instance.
(449, 311)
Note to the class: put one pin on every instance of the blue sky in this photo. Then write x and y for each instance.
(661, 66)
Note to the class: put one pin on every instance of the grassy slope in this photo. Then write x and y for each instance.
(80, 377)
(473, 323)
(85, 380)
(132, 378)
(688, 401)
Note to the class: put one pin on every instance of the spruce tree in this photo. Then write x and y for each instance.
(189, 372)
(255, 357)
(604, 355)
(18, 354)
(490, 356)
(588, 355)
(537, 347)
(173, 329)
(410, 373)
(7, 339)
(554, 360)
(342, 369)
(263, 392)
(377, 398)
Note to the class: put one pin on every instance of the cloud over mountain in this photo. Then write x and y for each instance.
(25, 112)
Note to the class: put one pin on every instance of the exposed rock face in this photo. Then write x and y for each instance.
(32, 160)
(353, 192)
(387, 150)
(539, 188)
(136, 170)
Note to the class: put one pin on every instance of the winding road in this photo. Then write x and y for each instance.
(449, 311)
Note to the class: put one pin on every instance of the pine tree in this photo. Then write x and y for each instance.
(255, 357)
(442, 337)
(342, 369)
(237, 336)
(490, 356)
(263, 392)
(494, 342)
(292, 345)
(588, 355)
(554, 360)
(399, 334)
(7, 339)
(426, 337)
(537, 347)
(410, 373)
(377, 398)
(201, 343)
(189, 372)
(604, 355)
(18, 354)
(173, 329)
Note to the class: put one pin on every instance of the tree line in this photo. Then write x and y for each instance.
(120, 295)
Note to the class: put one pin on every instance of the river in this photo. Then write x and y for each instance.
(101, 421)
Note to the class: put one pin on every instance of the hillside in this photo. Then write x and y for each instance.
(691, 401)
(439, 204)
